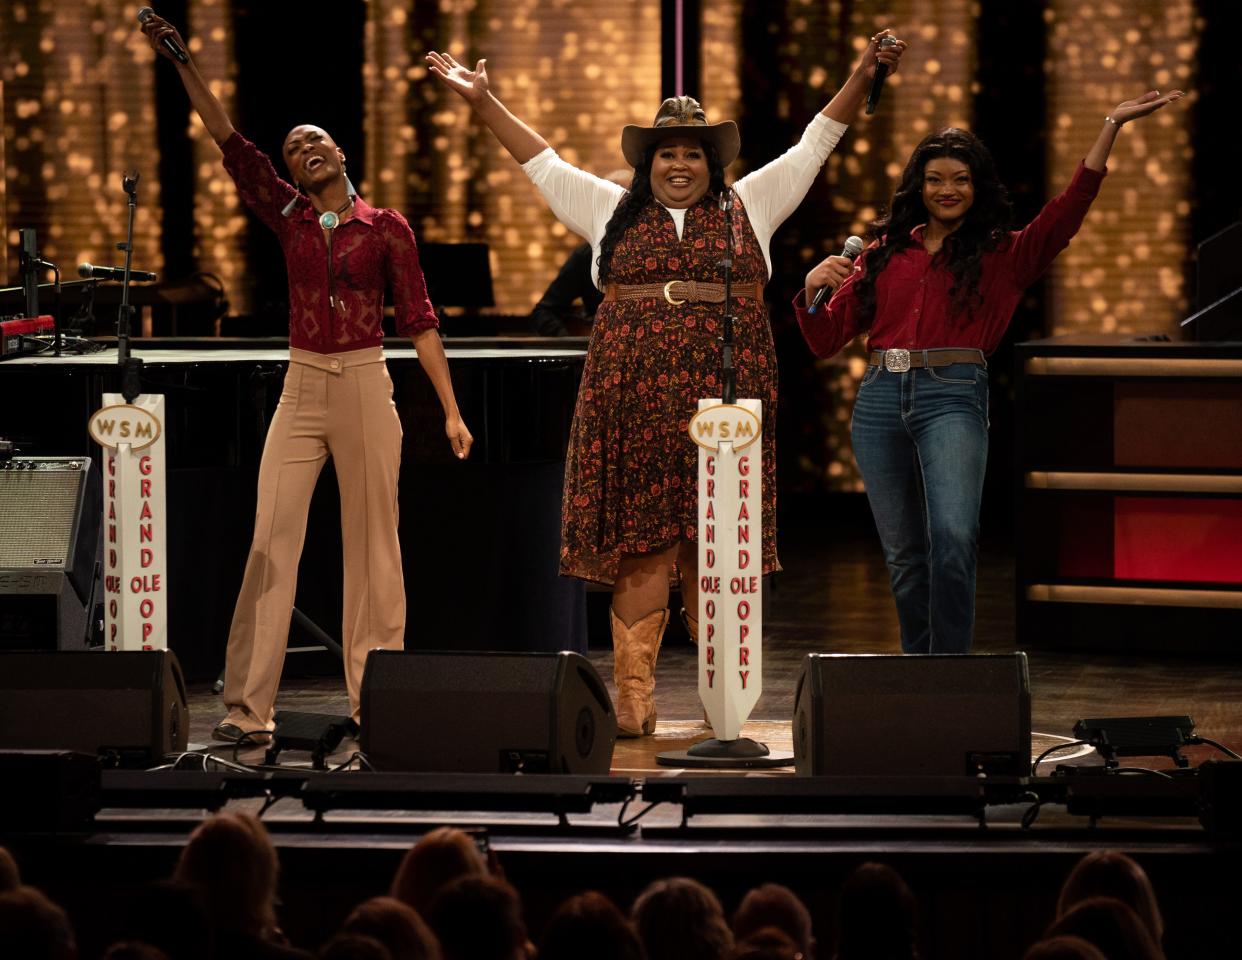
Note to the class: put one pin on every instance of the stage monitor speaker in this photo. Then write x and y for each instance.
(127, 707)
(920, 715)
(47, 790)
(49, 540)
(488, 712)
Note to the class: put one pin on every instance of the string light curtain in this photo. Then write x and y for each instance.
(4, 231)
(78, 113)
(575, 70)
(219, 221)
(816, 44)
(1125, 270)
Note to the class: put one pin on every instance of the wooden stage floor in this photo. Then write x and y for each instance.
(833, 597)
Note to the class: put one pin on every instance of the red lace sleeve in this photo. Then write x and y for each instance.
(414, 313)
(260, 187)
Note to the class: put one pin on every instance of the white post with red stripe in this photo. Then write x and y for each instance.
(730, 561)
(134, 521)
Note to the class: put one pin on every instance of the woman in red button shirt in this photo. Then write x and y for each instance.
(933, 294)
(341, 254)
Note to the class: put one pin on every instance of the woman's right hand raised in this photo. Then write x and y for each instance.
(156, 29)
(830, 272)
(470, 84)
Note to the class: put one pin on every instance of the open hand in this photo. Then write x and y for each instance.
(459, 437)
(156, 29)
(890, 55)
(1149, 102)
(470, 84)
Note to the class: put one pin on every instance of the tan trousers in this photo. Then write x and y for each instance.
(337, 405)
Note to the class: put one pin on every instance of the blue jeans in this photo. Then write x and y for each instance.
(921, 442)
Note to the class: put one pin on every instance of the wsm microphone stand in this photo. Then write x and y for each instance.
(130, 368)
(730, 611)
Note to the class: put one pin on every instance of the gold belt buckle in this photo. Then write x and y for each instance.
(669, 296)
(897, 360)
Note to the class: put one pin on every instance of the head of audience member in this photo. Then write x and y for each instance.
(877, 915)
(433, 863)
(767, 943)
(10, 876)
(34, 928)
(134, 950)
(479, 918)
(169, 916)
(1110, 873)
(773, 905)
(354, 946)
(1109, 925)
(396, 925)
(589, 925)
(680, 919)
(1063, 948)
(231, 862)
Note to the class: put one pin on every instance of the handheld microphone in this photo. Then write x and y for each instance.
(113, 273)
(877, 82)
(853, 247)
(171, 45)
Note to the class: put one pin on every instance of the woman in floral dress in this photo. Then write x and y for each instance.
(630, 514)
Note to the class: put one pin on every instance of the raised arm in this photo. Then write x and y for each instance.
(849, 99)
(514, 135)
(1122, 114)
(201, 98)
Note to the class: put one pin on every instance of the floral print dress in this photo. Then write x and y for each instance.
(631, 470)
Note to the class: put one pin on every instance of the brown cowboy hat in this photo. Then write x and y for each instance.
(681, 117)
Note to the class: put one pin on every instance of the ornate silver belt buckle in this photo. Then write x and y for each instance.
(897, 361)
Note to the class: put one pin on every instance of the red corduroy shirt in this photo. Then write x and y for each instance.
(913, 308)
(372, 250)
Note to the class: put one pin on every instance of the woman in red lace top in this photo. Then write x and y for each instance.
(341, 254)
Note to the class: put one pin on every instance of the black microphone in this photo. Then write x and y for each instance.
(171, 45)
(853, 247)
(877, 82)
(113, 273)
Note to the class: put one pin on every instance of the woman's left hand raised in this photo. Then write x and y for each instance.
(889, 55)
(1149, 102)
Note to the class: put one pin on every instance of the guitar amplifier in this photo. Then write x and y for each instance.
(14, 332)
(49, 552)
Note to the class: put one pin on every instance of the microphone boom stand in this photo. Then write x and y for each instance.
(130, 367)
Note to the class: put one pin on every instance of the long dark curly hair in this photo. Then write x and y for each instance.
(640, 194)
(984, 227)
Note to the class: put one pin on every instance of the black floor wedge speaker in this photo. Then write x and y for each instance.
(485, 713)
(919, 715)
(128, 707)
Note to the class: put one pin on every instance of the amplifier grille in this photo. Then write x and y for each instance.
(37, 508)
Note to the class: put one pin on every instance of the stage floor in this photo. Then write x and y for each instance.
(833, 597)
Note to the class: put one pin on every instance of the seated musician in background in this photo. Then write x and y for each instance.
(337, 400)
(557, 313)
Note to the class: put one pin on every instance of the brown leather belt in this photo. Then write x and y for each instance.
(681, 291)
(899, 361)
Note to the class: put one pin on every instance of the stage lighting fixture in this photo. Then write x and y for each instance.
(316, 732)
(1115, 737)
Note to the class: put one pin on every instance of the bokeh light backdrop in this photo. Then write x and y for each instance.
(78, 110)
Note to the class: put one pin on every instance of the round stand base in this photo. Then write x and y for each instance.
(742, 753)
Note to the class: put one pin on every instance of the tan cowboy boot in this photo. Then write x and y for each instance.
(692, 628)
(634, 651)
